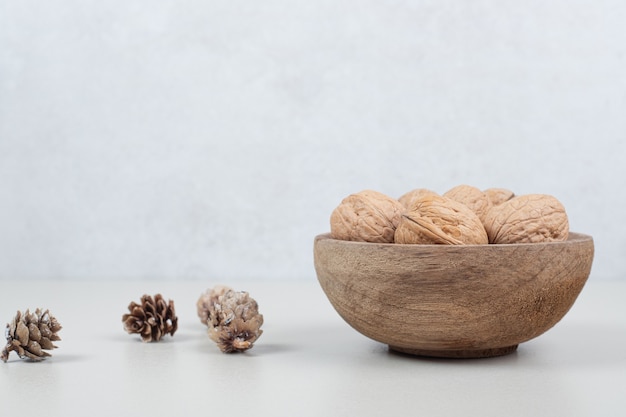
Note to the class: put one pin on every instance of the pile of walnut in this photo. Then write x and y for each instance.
(463, 215)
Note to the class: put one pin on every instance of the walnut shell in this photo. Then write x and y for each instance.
(528, 218)
(498, 195)
(440, 220)
(408, 198)
(472, 197)
(367, 216)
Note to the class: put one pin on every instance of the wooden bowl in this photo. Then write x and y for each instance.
(453, 301)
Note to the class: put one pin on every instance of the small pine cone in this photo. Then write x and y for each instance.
(233, 319)
(152, 319)
(238, 335)
(207, 300)
(29, 334)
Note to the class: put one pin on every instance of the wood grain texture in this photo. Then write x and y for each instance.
(453, 301)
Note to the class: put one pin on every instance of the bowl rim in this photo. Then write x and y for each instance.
(573, 237)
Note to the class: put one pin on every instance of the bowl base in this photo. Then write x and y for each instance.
(459, 354)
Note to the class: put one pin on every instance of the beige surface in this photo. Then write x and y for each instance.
(307, 363)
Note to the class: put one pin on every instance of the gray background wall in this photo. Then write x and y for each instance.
(211, 140)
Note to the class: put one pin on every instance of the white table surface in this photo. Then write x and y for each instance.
(308, 362)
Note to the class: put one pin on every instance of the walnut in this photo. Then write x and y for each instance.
(528, 218)
(440, 220)
(472, 197)
(367, 216)
(408, 198)
(498, 195)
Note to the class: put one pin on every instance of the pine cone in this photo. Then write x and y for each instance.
(152, 319)
(30, 333)
(238, 335)
(207, 300)
(233, 318)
